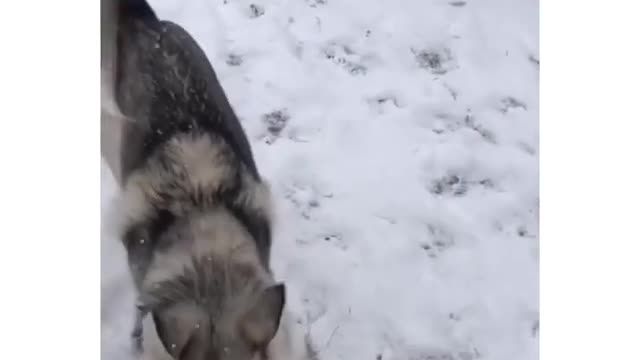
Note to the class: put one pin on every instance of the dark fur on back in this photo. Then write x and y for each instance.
(137, 9)
(166, 83)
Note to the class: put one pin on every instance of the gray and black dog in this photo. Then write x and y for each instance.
(197, 215)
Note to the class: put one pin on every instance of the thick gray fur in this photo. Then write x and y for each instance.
(197, 215)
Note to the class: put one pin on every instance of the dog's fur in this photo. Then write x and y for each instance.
(197, 215)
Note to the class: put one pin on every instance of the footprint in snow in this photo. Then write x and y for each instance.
(438, 61)
(255, 11)
(274, 123)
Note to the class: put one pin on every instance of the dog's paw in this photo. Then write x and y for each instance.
(136, 344)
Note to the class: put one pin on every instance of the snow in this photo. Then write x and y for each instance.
(401, 141)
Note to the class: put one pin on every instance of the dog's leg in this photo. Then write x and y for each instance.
(137, 334)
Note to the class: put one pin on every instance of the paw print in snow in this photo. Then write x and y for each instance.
(344, 56)
(304, 198)
(275, 122)
(336, 240)
(381, 103)
(457, 185)
(511, 103)
(438, 241)
(256, 11)
(437, 61)
(471, 123)
(450, 184)
(234, 60)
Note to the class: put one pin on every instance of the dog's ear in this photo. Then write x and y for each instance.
(260, 323)
(174, 333)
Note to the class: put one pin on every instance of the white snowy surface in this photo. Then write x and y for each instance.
(402, 147)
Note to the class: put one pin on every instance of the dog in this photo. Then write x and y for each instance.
(196, 214)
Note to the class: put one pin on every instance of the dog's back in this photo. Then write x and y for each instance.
(166, 83)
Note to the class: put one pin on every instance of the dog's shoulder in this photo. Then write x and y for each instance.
(167, 85)
(205, 94)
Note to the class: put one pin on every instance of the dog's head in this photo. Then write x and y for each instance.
(234, 330)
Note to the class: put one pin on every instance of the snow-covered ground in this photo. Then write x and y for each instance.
(401, 140)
